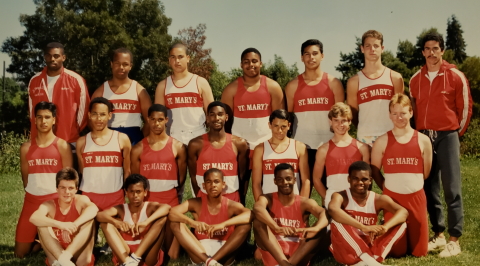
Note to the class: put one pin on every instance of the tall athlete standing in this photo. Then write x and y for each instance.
(338, 154)
(130, 99)
(186, 95)
(279, 149)
(370, 90)
(40, 160)
(252, 98)
(103, 158)
(218, 149)
(406, 158)
(310, 96)
(163, 161)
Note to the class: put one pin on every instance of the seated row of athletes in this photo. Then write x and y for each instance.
(281, 188)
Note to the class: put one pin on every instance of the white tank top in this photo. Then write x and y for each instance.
(127, 217)
(272, 158)
(103, 165)
(373, 98)
(185, 106)
(127, 111)
(367, 214)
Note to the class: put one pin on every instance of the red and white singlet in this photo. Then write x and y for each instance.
(103, 165)
(127, 217)
(403, 165)
(71, 216)
(223, 159)
(208, 218)
(185, 108)
(127, 112)
(251, 111)
(43, 165)
(367, 214)
(312, 103)
(373, 98)
(159, 167)
(287, 216)
(271, 159)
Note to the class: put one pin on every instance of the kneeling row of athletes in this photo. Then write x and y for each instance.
(136, 230)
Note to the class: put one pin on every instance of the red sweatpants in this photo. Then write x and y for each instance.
(416, 239)
(348, 243)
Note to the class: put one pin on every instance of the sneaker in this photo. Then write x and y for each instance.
(106, 250)
(436, 242)
(131, 261)
(56, 263)
(451, 249)
(212, 262)
(197, 264)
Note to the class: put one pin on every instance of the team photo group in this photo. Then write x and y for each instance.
(127, 177)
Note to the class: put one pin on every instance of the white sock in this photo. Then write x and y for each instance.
(135, 257)
(369, 259)
(211, 261)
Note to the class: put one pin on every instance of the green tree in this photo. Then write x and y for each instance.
(279, 71)
(90, 30)
(350, 63)
(218, 81)
(14, 108)
(394, 63)
(455, 41)
(471, 69)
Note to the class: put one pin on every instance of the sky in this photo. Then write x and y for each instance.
(278, 27)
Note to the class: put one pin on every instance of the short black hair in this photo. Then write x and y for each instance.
(121, 50)
(67, 173)
(54, 45)
(359, 166)
(216, 103)
(250, 50)
(211, 171)
(43, 105)
(433, 36)
(102, 100)
(135, 179)
(280, 114)
(156, 107)
(312, 42)
(178, 45)
(281, 167)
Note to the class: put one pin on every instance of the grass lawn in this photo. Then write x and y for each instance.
(11, 200)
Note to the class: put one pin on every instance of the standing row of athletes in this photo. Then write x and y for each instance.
(252, 98)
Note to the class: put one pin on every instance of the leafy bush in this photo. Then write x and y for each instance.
(470, 142)
(10, 151)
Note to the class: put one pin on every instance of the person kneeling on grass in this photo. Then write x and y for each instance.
(65, 224)
(356, 237)
(221, 225)
(281, 223)
(135, 230)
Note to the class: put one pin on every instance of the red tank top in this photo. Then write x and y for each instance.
(208, 218)
(338, 159)
(159, 164)
(71, 216)
(287, 216)
(318, 97)
(43, 165)
(402, 158)
(252, 104)
(223, 159)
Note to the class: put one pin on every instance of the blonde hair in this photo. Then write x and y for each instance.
(401, 99)
(340, 109)
(374, 34)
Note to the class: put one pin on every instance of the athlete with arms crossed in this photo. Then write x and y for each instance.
(356, 237)
(135, 230)
(406, 158)
(40, 160)
(218, 149)
(370, 90)
(338, 154)
(279, 149)
(221, 225)
(281, 223)
(130, 99)
(65, 224)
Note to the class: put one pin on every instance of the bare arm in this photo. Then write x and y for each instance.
(397, 80)
(257, 171)
(126, 147)
(276, 93)
(427, 154)
(88, 210)
(24, 163)
(339, 215)
(290, 90)
(242, 156)
(181, 160)
(160, 92)
(318, 168)
(352, 90)
(261, 213)
(40, 217)
(65, 153)
(98, 92)
(377, 154)
(365, 150)
(304, 169)
(135, 158)
(156, 211)
(80, 148)
(145, 103)
(400, 214)
(227, 98)
(194, 148)
(337, 89)
(206, 92)
(309, 205)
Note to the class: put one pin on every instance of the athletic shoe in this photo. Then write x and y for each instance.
(451, 249)
(436, 242)
(106, 250)
(212, 262)
(197, 264)
(56, 263)
(131, 261)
